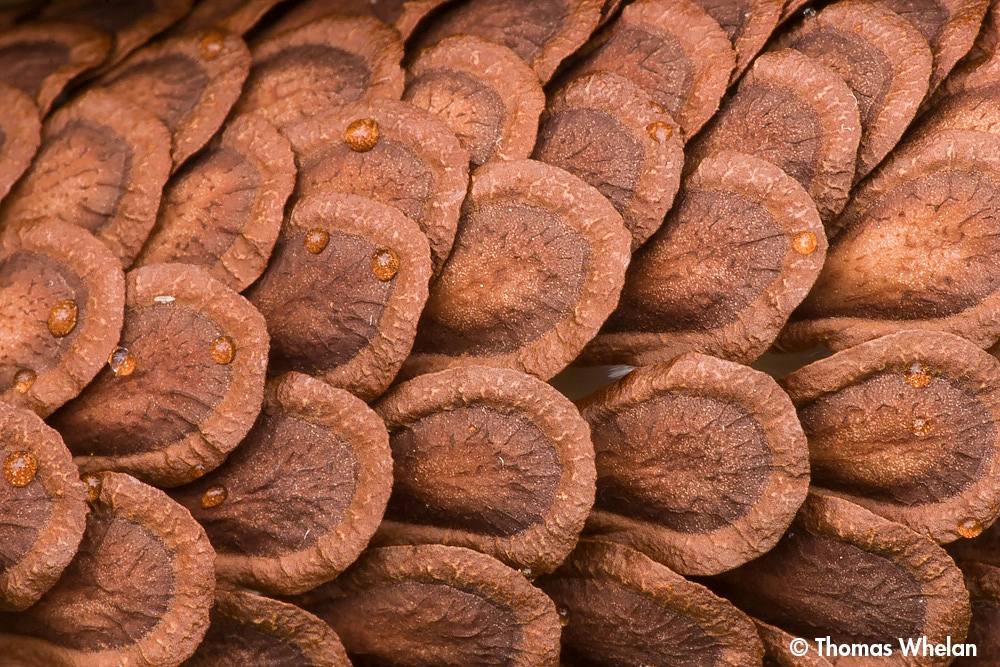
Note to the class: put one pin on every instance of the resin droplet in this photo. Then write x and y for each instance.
(213, 496)
(317, 240)
(659, 131)
(918, 377)
(385, 264)
(93, 483)
(563, 615)
(23, 379)
(657, 107)
(199, 471)
(528, 574)
(20, 468)
(804, 243)
(122, 362)
(809, 13)
(362, 135)
(473, 430)
(920, 427)
(969, 528)
(223, 350)
(211, 45)
(62, 318)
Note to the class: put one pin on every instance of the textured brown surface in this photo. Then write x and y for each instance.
(489, 459)
(619, 607)
(335, 60)
(179, 412)
(543, 33)
(723, 273)
(931, 267)
(797, 114)
(102, 166)
(304, 491)
(607, 131)
(701, 464)
(846, 573)
(20, 135)
(249, 629)
(777, 649)
(41, 58)
(949, 26)
(674, 51)
(907, 426)
(132, 22)
(431, 605)
(138, 591)
(983, 582)
(235, 16)
(327, 312)
(403, 15)
(537, 266)
(417, 165)
(748, 23)
(488, 96)
(188, 82)
(43, 519)
(882, 57)
(42, 265)
(224, 211)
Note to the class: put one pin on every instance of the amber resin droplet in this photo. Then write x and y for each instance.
(918, 377)
(563, 615)
(121, 361)
(62, 318)
(921, 427)
(213, 496)
(20, 468)
(804, 243)
(23, 379)
(362, 135)
(211, 45)
(317, 240)
(223, 350)
(385, 264)
(659, 131)
(93, 483)
(969, 528)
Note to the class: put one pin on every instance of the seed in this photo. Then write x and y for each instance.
(20, 468)
(969, 528)
(918, 377)
(362, 135)
(804, 243)
(659, 131)
(316, 240)
(211, 45)
(213, 496)
(62, 318)
(223, 350)
(385, 264)
(122, 362)
(23, 379)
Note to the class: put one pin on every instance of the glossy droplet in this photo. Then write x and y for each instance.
(659, 131)
(920, 427)
(121, 361)
(211, 45)
(199, 471)
(528, 574)
(563, 615)
(223, 350)
(969, 528)
(657, 107)
(93, 483)
(473, 430)
(385, 264)
(23, 379)
(317, 240)
(62, 318)
(362, 135)
(20, 468)
(804, 243)
(809, 13)
(918, 377)
(213, 496)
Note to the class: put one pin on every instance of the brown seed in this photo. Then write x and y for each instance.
(23, 379)
(122, 362)
(62, 318)
(223, 350)
(211, 45)
(93, 483)
(213, 496)
(362, 135)
(659, 131)
(20, 468)
(804, 243)
(317, 240)
(21, 122)
(918, 377)
(969, 528)
(385, 264)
